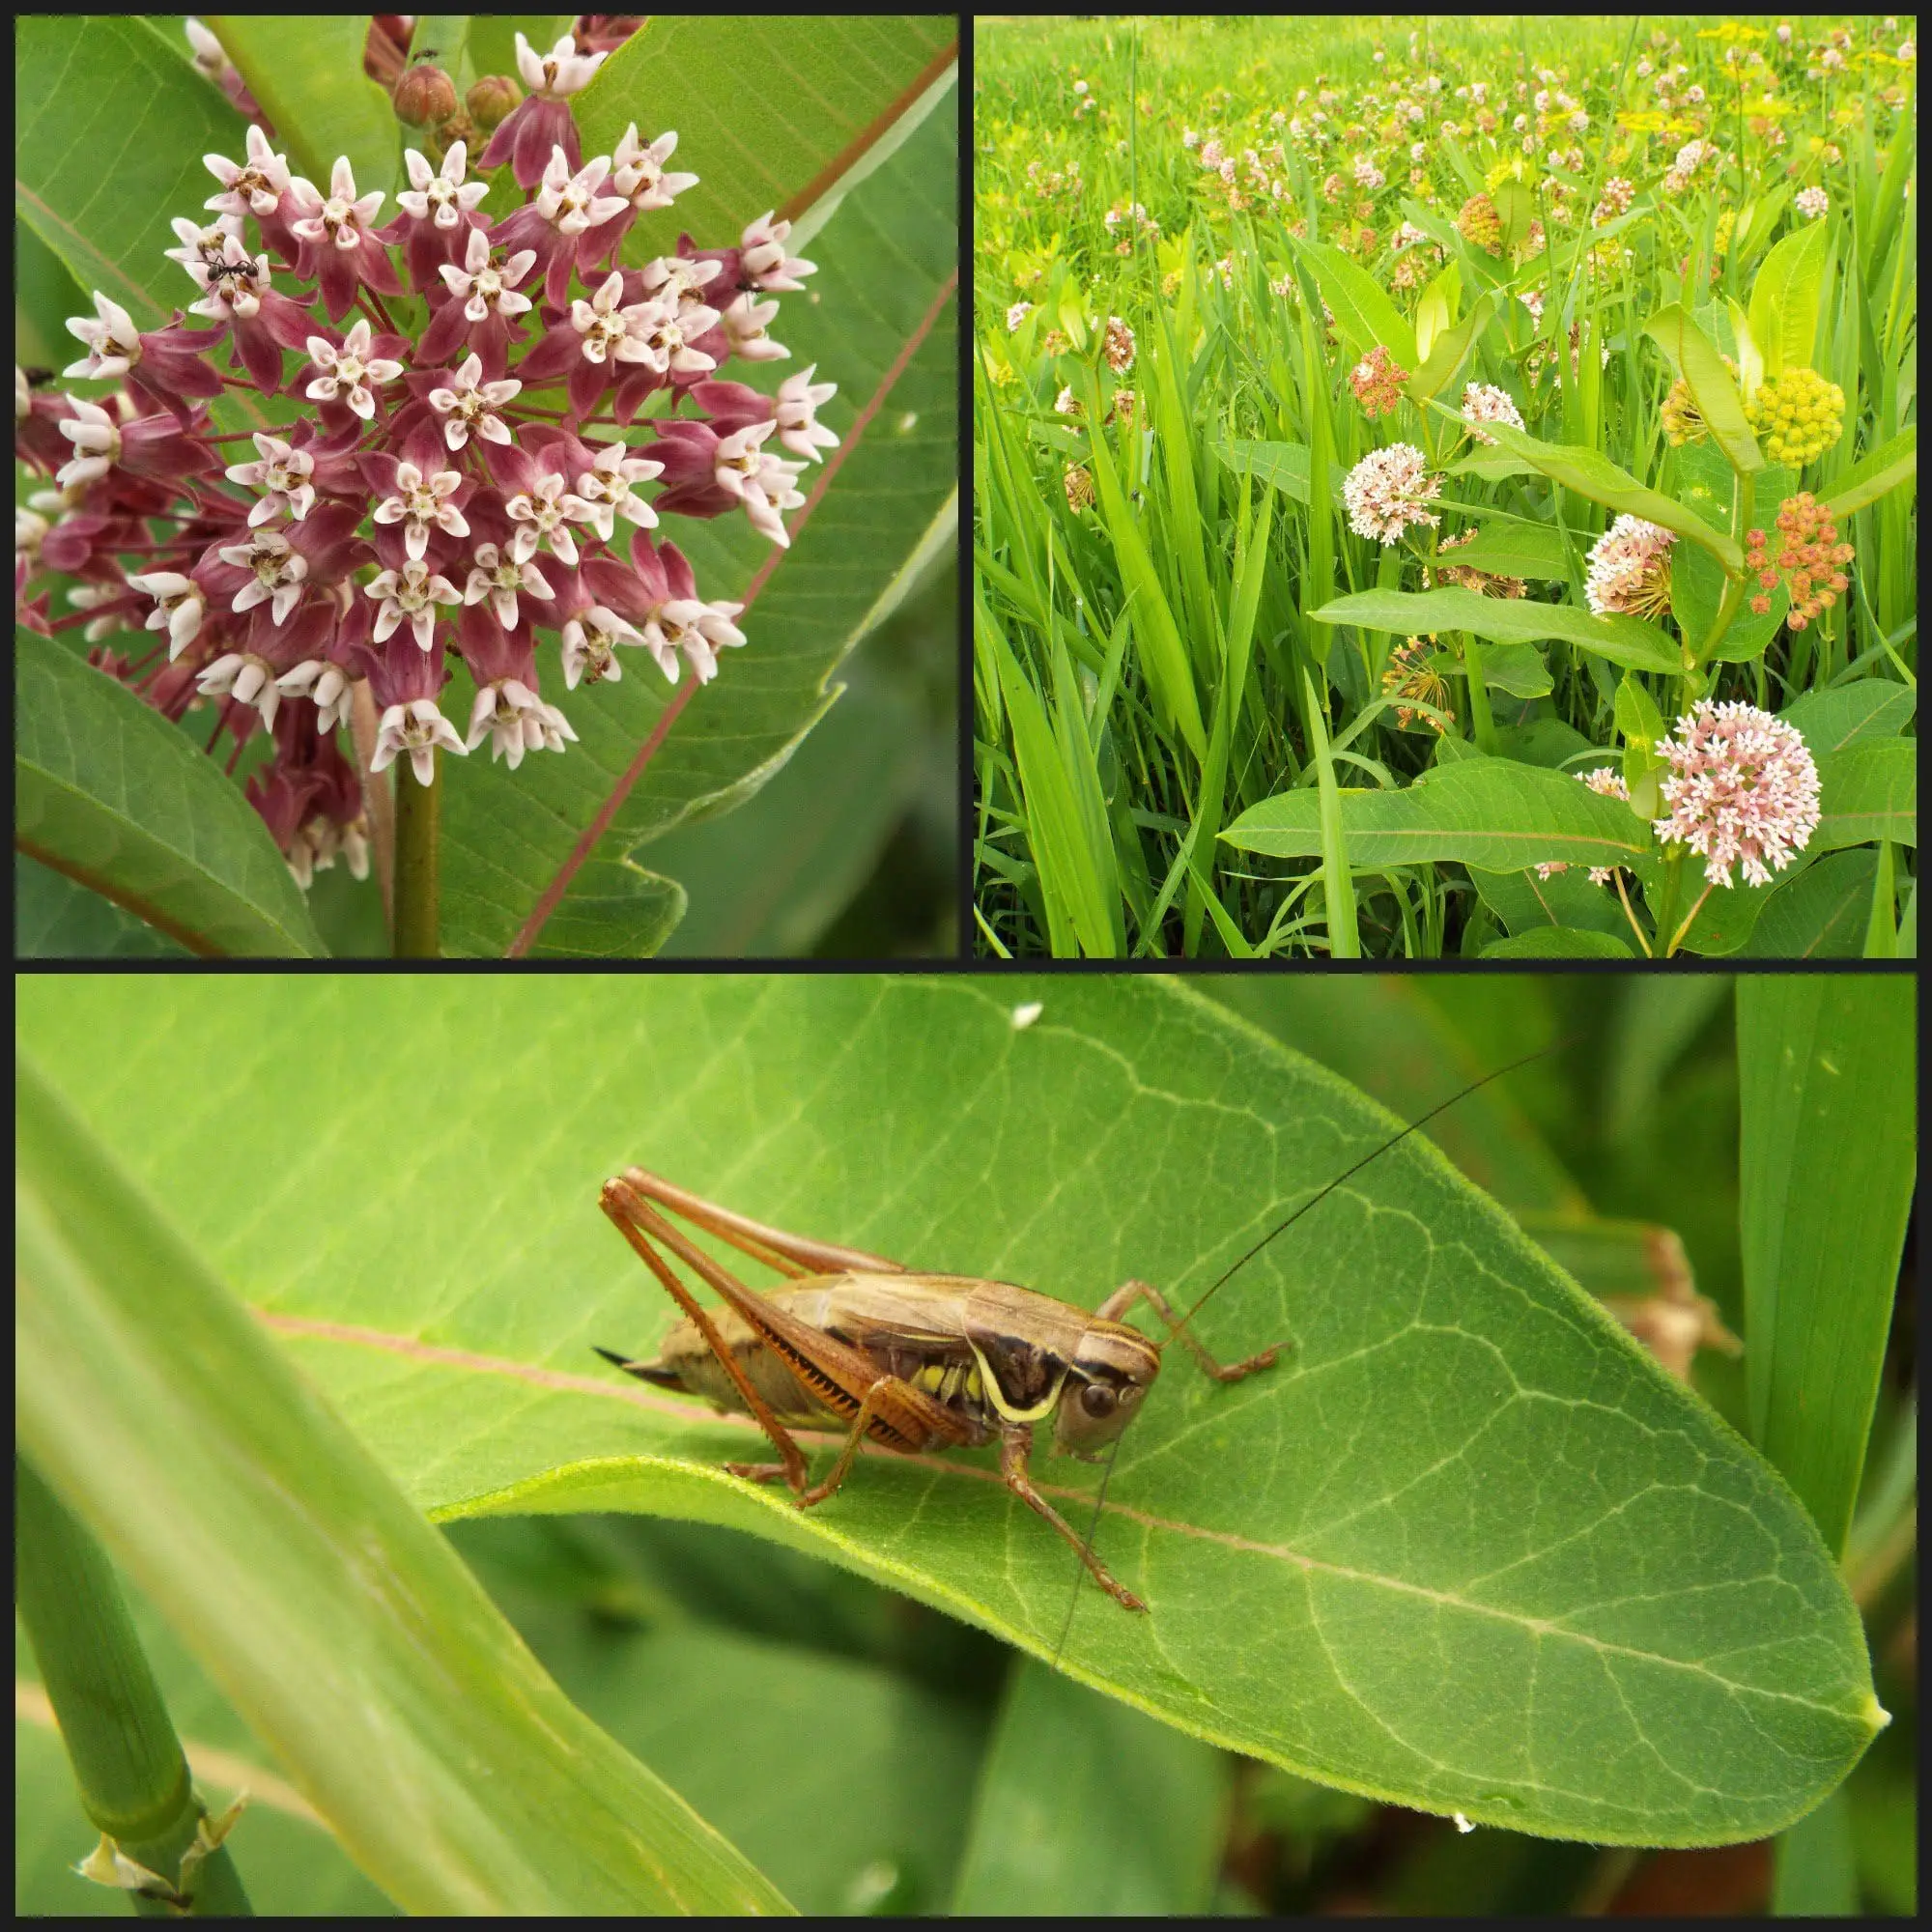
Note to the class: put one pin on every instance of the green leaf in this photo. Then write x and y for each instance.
(1285, 465)
(102, 99)
(871, 1806)
(772, 876)
(771, 111)
(337, 1622)
(1451, 346)
(616, 909)
(880, 505)
(1083, 916)
(1363, 313)
(1869, 790)
(305, 70)
(1623, 640)
(1841, 715)
(56, 918)
(1784, 299)
(1516, 669)
(1525, 1576)
(1086, 1809)
(1697, 359)
(1485, 812)
(1523, 903)
(1821, 913)
(1164, 657)
(1828, 1157)
(1535, 551)
(107, 791)
(1559, 942)
(1580, 468)
(1876, 474)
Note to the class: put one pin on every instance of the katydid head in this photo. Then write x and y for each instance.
(1112, 1370)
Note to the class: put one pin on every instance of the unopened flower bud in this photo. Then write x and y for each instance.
(424, 97)
(491, 101)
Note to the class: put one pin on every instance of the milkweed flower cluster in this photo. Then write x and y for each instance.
(450, 483)
(1484, 402)
(1386, 490)
(1741, 791)
(1811, 558)
(1630, 570)
(1377, 383)
(1119, 346)
(1797, 417)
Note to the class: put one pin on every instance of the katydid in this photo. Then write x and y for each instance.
(910, 1360)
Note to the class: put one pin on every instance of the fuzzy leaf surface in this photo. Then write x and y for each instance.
(111, 793)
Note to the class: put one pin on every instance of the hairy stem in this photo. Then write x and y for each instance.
(416, 862)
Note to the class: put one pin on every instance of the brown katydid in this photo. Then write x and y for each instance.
(910, 1360)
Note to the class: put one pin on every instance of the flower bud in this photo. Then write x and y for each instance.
(424, 97)
(491, 101)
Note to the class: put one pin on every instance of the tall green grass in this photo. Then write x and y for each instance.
(1158, 649)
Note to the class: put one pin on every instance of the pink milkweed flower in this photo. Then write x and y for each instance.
(516, 721)
(349, 373)
(1743, 790)
(412, 593)
(255, 187)
(1630, 570)
(499, 578)
(1484, 402)
(1385, 490)
(468, 403)
(542, 119)
(419, 502)
(178, 606)
(247, 679)
(798, 400)
(339, 244)
(637, 172)
(607, 488)
(282, 473)
(416, 727)
(486, 304)
(441, 196)
(113, 342)
(745, 323)
(590, 645)
(328, 684)
(272, 573)
(762, 256)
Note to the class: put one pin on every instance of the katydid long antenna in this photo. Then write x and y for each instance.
(1374, 1153)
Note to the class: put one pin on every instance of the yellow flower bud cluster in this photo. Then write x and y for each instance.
(1479, 224)
(1797, 417)
(1683, 421)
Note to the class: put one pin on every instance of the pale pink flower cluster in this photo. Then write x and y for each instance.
(1743, 790)
(1385, 490)
(1606, 781)
(1630, 570)
(1484, 402)
(1017, 314)
(1811, 202)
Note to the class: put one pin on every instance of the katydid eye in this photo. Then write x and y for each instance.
(1098, 1400)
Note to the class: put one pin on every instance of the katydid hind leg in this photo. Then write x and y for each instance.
(1115, 1309)
(1015, 1447)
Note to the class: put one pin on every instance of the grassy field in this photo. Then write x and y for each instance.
(1245, 290)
